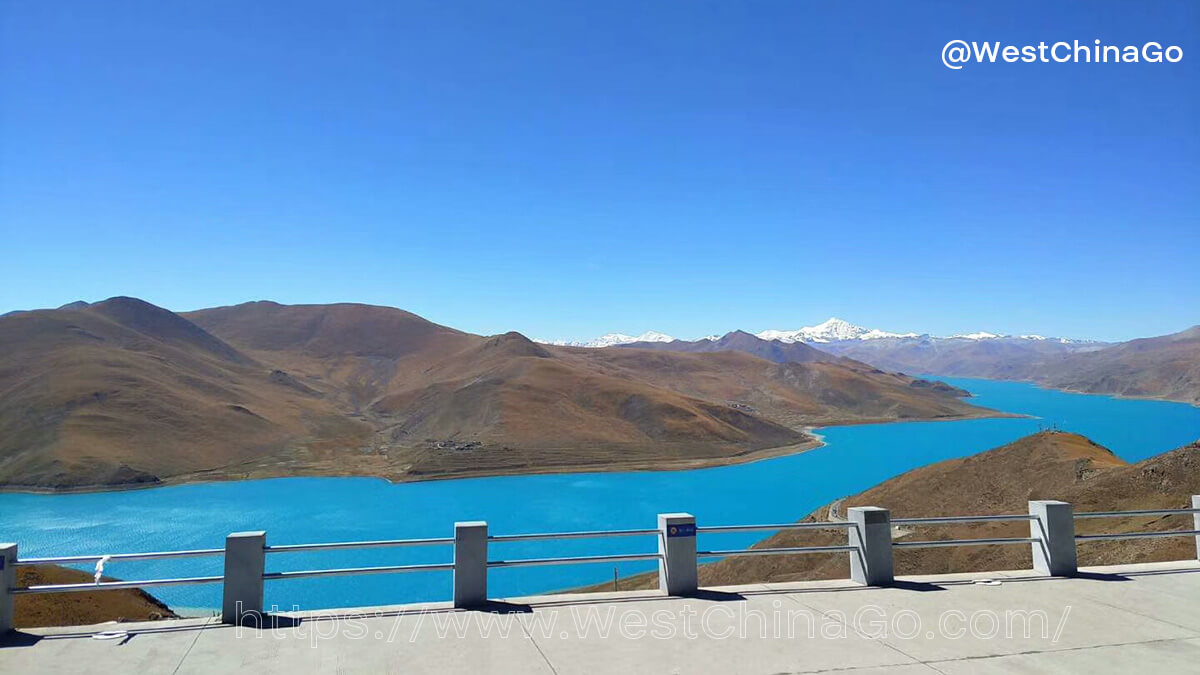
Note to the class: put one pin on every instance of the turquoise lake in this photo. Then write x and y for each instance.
(304, 510)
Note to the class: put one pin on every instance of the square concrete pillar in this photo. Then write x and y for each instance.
(871, 536)
(677, 546)
(1053, 526)
(8, 581)
(245, 563)
(470, 563)
(1196, 522)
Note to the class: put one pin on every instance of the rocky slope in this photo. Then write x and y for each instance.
(1160, 367)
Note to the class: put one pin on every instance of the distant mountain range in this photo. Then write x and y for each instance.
(1167, 366)
(1161, 367)
(122, 392)
(611, 340)
(830, 330)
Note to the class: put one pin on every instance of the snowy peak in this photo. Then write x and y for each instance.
(830, 330)
(984, 335)
(611, 340)
(838, 330)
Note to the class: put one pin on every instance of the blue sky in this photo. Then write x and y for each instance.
(567, 169)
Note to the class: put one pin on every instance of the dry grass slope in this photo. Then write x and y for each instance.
(1048, 465)
(80, 609)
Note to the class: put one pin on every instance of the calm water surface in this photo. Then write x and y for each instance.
(302, 510)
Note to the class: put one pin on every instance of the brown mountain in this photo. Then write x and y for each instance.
(123, 392)
(1162, 367)
(1047, 465)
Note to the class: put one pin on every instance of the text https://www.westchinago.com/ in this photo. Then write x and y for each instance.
(710, 621)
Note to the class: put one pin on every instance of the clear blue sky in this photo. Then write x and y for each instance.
(568, 168)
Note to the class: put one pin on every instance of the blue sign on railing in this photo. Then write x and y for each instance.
(682, 530)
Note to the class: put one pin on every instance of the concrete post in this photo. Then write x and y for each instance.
(1195, 522)
(470, 563)
(1053, 526)
(8, 581)
(871, 536)
(245, 562)
(677, 546)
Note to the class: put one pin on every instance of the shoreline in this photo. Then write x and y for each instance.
(639, 466)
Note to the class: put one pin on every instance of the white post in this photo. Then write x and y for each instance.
(1196, 522)
(677, 546)
(1053, 528)
(245, 562)
(871, 536)
(8, 581)
(470, 563)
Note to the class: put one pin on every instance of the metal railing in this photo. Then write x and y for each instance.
(114, 585)
(351, 571)
(941, 543)
(870, 542)
(782, 550)
(949, 520)
(957, 520)
(572, 560)
(1139, 535)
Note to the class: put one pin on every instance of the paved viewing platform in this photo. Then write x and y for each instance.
(1112, 619)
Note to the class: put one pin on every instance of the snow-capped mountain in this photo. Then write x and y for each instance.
(838, 330)
(611, 340)
(981, 335)
(831, 330)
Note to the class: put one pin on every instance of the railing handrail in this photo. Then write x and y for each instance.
(586, 534)
(1144, 512)
(381, 543)
(574, 560)
(151, 555)
(776, 551)
(939, 543)
(938, 520)
(349, 571)
(111, 585)
(1137, 535)
(829, 524)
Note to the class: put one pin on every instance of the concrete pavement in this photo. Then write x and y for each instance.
(1111, 619)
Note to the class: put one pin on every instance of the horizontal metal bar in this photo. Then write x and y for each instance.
(385, 543)
(350, 571)
(534, 562)
(781, 526)
(961, 542)
(1138, 535)
(960, 519)
(1147, 512)
(115, 585)
(116, 557)
(500, 538)
(774, 551)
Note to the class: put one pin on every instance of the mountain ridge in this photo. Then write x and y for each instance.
(124, 393)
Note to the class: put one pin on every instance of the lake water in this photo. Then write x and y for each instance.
(304, 510)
